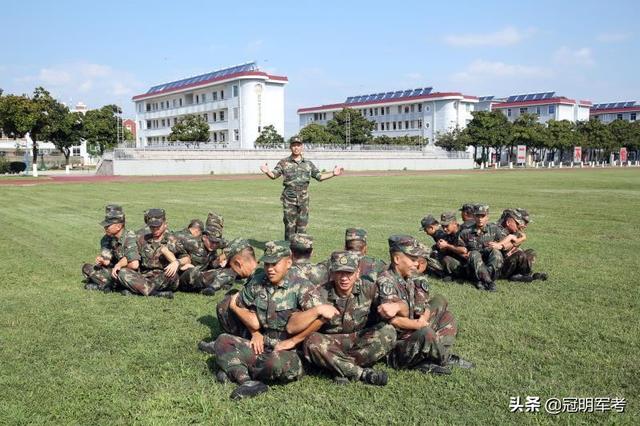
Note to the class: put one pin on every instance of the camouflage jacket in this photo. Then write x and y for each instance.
(370, 268)
(274, 304)
(467, 224)
(296, 175)
(413, 291)
(194, 248)
(355, 311)
(150, 254)
(475, 239)
(125, 246)
(317, 274)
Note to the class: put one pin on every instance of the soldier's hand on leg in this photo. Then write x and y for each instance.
(171, 269)
(257, 343)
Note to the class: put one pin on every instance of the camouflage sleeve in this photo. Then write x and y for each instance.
(179, 248)
(461, 240)
(105, 243)
(130, 248)
(175, 246)
(421, 287)
(315, 173)
(309, 297)
(247, 298)
(500, 233)
(387, 289)
(277, 170)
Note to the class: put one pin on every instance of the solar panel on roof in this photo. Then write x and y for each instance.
(630, 104)
(406, 93)
(416, 92)
(427, 90)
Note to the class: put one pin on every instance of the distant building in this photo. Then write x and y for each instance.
(130, 125)
(236, 102)
(80, 107)
(546, 105)
(413, 112)
(609, 112)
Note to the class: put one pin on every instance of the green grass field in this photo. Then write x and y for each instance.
(72, 356)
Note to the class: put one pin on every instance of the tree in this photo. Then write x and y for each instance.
(361, 128)
(526, 131)
(68, 133)
(597, 137)
(318, 134)
(456, 139)
(269, 138)
(622, 132)
(100, 128)
(488, 129)
(190, 128)
(562, 135)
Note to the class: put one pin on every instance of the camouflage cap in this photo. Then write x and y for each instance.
(234, 247)
(425, 251)
(215, 219)
(113, 207)
(156, 217)
(295, 139)
(113, 216)
(344, 261)
(213, 233)
(274, 251)
(428, 220)
(405, 244)
(355, 234)
(524, 214)
(196, 223)
(481, 209)
(447, 217)
(468, 208)
(301, 242)
(514, 214)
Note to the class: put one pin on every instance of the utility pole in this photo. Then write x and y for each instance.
(347, 129)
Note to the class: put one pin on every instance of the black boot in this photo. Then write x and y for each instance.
(249, 390)
(374, 377)
(428, 367)
(206, 347)
(456, 361)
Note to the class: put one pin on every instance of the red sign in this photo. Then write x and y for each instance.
(577, 154)
(623, 155)
(522, 154)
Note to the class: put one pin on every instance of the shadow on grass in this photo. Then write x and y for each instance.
(214, 326)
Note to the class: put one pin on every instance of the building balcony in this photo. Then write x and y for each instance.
(200, 108)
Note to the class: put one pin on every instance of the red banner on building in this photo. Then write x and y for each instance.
(577, 154)
(623, 155)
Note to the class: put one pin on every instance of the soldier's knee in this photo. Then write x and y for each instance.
(313, 342)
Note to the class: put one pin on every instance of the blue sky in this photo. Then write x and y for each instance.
(106, 52)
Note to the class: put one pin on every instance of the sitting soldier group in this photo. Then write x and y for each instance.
(155, 261)
(340, 316)
(478, 250)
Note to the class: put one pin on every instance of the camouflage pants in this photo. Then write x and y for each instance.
(235, 357)
(197, 278)
(431, 343)
(344, 355)
(229, 322)
(435, 266)
(99, 275)
(146, 283)
(295, 206)
(485, 265)
(453, 266)
(520, 262)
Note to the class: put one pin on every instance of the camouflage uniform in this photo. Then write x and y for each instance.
(370, 266)
(151, 277)
(516, 260)
(316, 273)
(469, 209)
(113, 249)
(273, 305)
(344, 345)
(453, 264)
(434, 265)
(295, 194)
(484, 263)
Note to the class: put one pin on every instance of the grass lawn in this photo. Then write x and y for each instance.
(72, 356)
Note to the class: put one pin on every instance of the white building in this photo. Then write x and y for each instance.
(609, 112)
(236, 102)
(414, 112)
(547, 105)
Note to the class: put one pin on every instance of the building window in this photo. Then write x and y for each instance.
(148, 107)
(204, 97)
(222, 94)
(215, 96)
(552, 109)
(175, 120)
(419, 107)
(413, 108)
(76, 151)
(221, 115)
(619, 116)
(523, 111)
(419, 124)
(508, 112)
(235, 92)
(180, 101)
(236, 134)
(399, 109)
(381, 126)
(632, 117)
(206, 118)
(215, 137)
(221, 137)
(148, 124)
(388, 110)
(426, 125)
(376, 126)
(375, 112)
(174, 103)
(215, 116)
(406, 124)
(406, 109)
(427, 108)
(162, 121)
(394, 125)
(382, 111)
(538, 110)
(235, 113)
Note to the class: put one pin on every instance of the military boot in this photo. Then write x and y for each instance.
(542, 276)
(428, 367)
(165, 294)
(455, 361)
(374, 377)
(249, 390)
(206, 347)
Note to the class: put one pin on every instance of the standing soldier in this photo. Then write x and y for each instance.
(158, 265)
(427, 334)
(355, 239)
(264, 307)
(344, 345)
(117, 250)
(484, 257)
(296, 172)
(301, 250)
